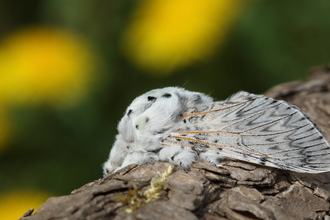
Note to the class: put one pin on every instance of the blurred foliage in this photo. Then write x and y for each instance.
(70, 68)
(4, 129)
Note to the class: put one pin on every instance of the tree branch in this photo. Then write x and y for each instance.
(237, 190)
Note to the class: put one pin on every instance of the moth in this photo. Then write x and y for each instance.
(179, 126)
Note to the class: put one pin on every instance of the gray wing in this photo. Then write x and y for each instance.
(255, 129)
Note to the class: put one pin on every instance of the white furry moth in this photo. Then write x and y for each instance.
(175, 125)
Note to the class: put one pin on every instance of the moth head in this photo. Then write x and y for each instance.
(157, 110)
(170, 98)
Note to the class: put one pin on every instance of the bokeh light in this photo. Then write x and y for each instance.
(166, 35)
(44, 65)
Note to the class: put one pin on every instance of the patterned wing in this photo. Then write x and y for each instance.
(255, 129)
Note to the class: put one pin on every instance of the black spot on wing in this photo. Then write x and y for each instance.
(172, 158)
(262, 160)
(193, 119)
(197, 137)
(129, 112)
(151, 98)
(198, 149)
(147, 119)
(275, 148)
(199, 145)
(197, 99)
(194, 110)
(167, 95)
(156, 151)
(200, 137)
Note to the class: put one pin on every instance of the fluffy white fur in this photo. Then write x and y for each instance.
(146, 122)
(175, 125)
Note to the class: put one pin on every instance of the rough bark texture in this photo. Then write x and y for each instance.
(238, 190)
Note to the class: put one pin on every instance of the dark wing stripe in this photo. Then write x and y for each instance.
(255, 129)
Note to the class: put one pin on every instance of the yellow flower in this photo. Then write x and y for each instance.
(44, 65)
(14, 204)
(166, 35)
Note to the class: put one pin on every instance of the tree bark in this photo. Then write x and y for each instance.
(238, 190)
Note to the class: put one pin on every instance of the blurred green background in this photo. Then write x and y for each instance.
(68, 70)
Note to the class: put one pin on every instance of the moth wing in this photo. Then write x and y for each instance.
(255, 129)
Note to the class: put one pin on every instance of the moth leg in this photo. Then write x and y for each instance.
(138, 157)
(212, 158)
(177, 156)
